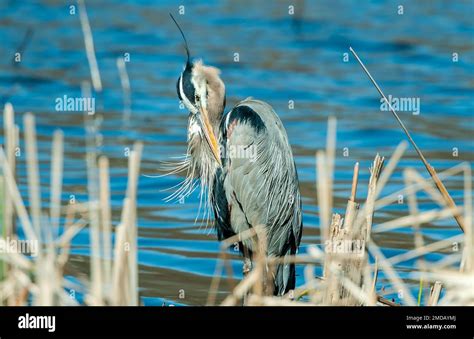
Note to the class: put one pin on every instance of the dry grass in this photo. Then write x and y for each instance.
(40, 280)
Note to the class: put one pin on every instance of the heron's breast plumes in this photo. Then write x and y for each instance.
(201, 157)
(202, 165)
(194, 128)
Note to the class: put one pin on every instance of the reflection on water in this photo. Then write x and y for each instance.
(281, 58)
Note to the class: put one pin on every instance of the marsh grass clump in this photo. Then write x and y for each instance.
(39, 278)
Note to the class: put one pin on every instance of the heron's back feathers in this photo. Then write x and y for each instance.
(260, 182)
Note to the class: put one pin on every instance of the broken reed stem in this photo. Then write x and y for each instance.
(369, 209)
(133, 175)
(49, 267)
(11, 142)
(355, 179)
(435, 293)
(352, 207)
(332, 295)
(125, 82)
(349, 267)
(330, 158)
(34, 188)
(95, 260)
(469, 231)
(16, 198)
(57, 165)
(322, 189)
(347, 292)
(340, 267)
(375, 277)
(390, 167)
(6, 205)
(385, 301)
(418, 235)
(3, 264)
(106, 217)
(439, 184)
(120, 267)
(89, 44)
(347, 274)
(93, 208)
(125, 265)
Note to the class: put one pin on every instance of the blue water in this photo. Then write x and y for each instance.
(282, 57)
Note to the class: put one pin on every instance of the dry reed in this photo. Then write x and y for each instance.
(41, 277)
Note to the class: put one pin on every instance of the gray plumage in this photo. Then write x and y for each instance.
(261, 190)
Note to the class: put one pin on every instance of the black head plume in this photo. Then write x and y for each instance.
(184, 38)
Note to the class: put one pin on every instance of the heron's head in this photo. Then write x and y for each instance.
(202, 91)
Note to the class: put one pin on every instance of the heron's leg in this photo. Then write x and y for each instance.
(246, 268)
(247, 260)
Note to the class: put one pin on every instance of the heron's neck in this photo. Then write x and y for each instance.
(216, 118)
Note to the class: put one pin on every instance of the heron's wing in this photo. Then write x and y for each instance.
(221, 207)
(260, 179)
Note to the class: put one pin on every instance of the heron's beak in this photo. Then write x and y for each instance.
(209, 134)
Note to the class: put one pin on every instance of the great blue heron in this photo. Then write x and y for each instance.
(246, 168)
